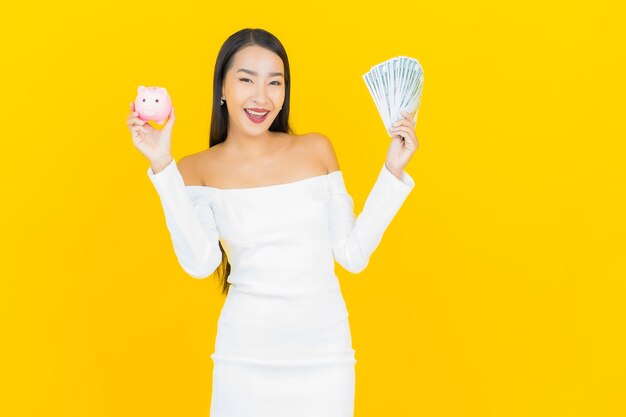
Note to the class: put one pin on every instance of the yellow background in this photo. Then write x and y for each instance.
(498, 290)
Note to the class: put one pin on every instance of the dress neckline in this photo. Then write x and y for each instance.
(262, 187)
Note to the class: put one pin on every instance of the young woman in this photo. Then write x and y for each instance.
(273, 206)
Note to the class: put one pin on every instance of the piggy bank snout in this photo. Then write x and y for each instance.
(149, 110)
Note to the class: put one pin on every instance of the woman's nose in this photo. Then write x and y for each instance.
(260, 95)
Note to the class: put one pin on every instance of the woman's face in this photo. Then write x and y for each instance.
(254, 81)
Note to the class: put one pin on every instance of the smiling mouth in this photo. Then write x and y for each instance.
(256, 118)
(255, 114)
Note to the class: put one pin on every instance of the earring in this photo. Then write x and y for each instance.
(222, 102)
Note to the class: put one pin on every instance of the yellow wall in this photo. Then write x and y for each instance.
(498, 289)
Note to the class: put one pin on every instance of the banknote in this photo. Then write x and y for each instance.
(396, 87)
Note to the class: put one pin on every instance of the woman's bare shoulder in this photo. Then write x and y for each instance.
(321, 146)
(192, 166)
(308, 152)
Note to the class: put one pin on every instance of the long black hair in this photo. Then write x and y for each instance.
(219, 116)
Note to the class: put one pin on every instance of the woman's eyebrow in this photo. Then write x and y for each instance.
(271, 74)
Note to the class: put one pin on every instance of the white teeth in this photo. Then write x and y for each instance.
(255, 113)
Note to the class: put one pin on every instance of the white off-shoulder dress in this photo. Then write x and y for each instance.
(283, 346)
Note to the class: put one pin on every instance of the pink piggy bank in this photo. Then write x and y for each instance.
(153, 103)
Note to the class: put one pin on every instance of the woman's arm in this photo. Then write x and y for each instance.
(191, 223)
(354, 239)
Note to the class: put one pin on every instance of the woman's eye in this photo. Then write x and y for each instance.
(248, 79)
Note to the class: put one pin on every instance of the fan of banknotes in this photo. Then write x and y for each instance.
(396, 87)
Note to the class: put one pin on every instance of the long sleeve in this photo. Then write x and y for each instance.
(354, 239)
(191, 223)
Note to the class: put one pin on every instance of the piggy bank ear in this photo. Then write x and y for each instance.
(163, 91)
(142, 89)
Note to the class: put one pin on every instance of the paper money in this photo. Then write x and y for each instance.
(396, 87)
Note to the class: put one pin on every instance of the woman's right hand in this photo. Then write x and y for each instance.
(154, 144)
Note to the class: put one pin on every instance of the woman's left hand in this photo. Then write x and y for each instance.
(403, 143)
